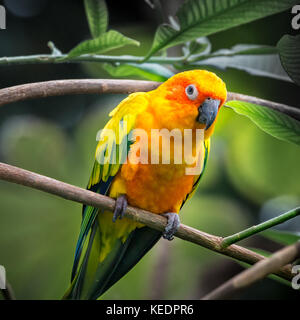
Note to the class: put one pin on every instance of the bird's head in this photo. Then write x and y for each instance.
(193, 100)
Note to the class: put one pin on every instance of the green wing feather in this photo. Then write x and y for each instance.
(112, 149)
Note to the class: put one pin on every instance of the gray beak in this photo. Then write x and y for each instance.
(208, 112)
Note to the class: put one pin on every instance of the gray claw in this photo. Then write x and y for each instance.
(120, 208)
(172, 225)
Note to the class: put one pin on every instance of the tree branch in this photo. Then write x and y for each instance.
(98, 86)
(68, 87)
(155, 221)
(259, 271)
(56, 57)
(227, 241)
(63, 58)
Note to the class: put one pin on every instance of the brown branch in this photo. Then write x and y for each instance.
(69, 87)
(98, 86)
(259, 271)
(155, 221)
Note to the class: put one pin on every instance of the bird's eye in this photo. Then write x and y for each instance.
(191, 92)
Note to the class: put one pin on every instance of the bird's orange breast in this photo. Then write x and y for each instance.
(158, 188)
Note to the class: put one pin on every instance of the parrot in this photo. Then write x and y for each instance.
(109, 244)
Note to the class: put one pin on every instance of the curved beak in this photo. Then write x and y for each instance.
(208, 112)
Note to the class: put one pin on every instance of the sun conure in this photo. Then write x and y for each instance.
(109, 244)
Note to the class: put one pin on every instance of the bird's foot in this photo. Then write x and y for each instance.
(120, 208)
(172, 225)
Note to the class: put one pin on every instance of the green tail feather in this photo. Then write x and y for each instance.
(94, 278)
(141, 241)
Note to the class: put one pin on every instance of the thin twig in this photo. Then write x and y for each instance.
(98, 86)
(259, 271)
(155, 221)
(63, 58)
(56, 57)
(227, 241)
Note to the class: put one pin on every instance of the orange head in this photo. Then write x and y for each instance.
(191, 99)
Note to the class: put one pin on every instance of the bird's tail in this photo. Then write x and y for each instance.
(94, 276)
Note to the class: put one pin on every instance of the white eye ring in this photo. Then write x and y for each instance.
(191, 92)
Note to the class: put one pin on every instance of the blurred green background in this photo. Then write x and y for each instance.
(250, 175)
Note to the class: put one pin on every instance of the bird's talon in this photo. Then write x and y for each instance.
(172, 225)
(120, 208)
(168, 237)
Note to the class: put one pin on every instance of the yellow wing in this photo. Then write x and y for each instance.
(111, 150)
(113, 143)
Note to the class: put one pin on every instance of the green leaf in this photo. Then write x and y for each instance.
(97, 15)
(246, 49)
(198, 18)
(256, 60)
(105, 42)
(282, 237)
(54, 51)
(289, 51)
(154, 72)
(197, 48)
(273, 122)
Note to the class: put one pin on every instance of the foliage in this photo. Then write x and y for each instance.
(105, 42)
(198, 18)
(289, 51)
(282, 237)
(271, 121)
(154, 72)
(97, 15)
